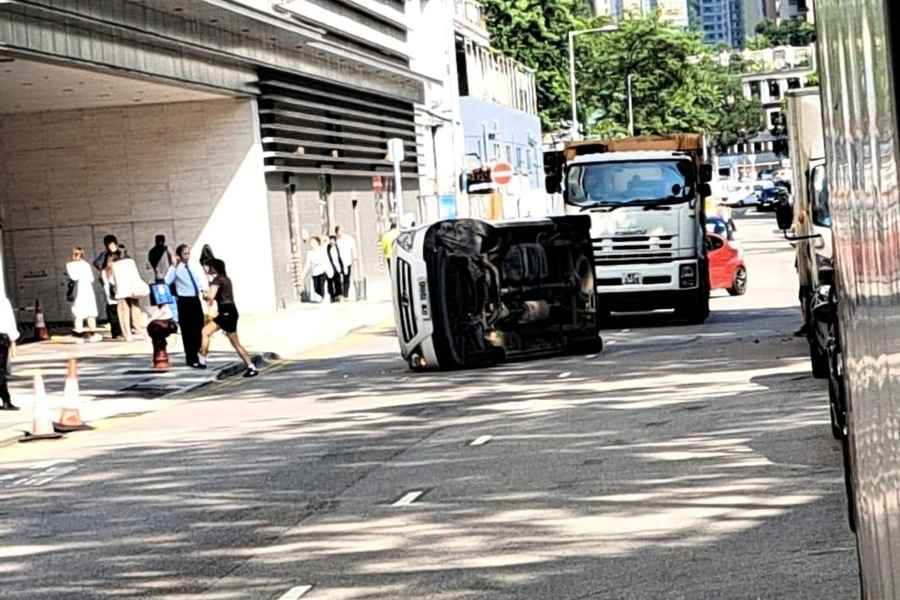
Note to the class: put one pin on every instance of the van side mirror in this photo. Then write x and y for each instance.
(706, 173)
(784, 214)
(704, 190)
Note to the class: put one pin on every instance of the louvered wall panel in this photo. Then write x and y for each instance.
(311, 127)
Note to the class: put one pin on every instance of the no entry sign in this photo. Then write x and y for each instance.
(501, 173)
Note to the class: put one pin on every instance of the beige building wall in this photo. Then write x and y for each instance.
(191, 171)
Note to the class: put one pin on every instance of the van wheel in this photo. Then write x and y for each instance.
(819, 361)
(739, 283)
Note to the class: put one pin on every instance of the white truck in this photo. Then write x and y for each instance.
(645, 197)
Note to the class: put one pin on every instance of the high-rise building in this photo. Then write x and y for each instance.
(754, 13)
(676, 12)
(723, 22)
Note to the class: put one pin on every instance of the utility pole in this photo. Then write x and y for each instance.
(396, 155)
(574, 132)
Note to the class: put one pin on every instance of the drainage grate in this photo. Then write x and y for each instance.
(148, 390)
(143, 372)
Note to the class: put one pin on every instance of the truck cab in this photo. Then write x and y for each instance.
(645, 198)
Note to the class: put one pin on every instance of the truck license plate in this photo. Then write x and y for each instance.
(632, 279)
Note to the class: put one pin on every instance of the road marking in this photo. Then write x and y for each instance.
(564, 375)
(296, 592)
(481, 440)
(45, 476)
(409, 498)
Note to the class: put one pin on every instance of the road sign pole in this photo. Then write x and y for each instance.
(396, 151)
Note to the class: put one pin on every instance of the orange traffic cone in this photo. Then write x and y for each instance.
(42, 423)
(40, 325)
(70, 416)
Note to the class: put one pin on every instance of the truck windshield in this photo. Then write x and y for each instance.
(632, 182)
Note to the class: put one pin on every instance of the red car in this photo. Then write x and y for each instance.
(727, 270)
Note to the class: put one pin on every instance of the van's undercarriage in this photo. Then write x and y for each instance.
(510, 290)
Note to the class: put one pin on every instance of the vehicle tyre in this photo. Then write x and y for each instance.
(834, 405)
(819, 360)
(697, 311)
(585, 346)
(739, 282)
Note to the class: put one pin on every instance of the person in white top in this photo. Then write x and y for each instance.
(318, 267)
(190, 283)
(84, 303)
(9, 333)
(347, 249)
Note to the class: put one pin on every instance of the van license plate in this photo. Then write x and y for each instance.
(632, 279)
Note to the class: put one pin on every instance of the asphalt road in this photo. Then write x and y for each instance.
(681, 463)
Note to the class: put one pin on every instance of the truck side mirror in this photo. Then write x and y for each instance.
(706, 173)
(784, 214)
(704, 190)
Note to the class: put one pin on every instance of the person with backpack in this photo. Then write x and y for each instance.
(221, 293)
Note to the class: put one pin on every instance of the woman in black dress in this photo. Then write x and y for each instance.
(221, 293)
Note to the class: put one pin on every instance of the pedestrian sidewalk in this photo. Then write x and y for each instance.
(117, 378)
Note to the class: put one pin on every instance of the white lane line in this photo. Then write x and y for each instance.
(296, 592)
(481, 440)
(564, 375)
(409, 498)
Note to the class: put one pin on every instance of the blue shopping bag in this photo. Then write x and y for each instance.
(161, 294)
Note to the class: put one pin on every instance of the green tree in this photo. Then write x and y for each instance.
(679, 83)
(758, 42)
(535, 33)
(789, 32)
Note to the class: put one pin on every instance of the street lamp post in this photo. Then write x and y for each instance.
(630, 107)
(572, 35)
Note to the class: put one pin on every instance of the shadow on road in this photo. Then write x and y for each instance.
(708, 471)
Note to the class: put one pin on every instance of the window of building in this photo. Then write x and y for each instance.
(509, 155)
(774, 89)
(793, 83)
(519, 164)
(755, 91)
(529, 157)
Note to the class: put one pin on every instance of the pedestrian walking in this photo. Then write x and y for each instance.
(221, 293)
(190, 282)
(336, 279)
(126, 284)
(317, 267)
(81, 294)
(387, 242)
(9, 333)
(347, 249)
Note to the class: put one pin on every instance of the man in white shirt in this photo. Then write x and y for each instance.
(190, 281)
(347, 250)
(9, 333)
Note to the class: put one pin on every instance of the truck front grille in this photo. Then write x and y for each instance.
(634, 249)
(406, 299)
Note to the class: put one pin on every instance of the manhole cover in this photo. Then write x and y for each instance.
(145, 390)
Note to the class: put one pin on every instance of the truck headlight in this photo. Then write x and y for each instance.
(687, 276)
(405, 240)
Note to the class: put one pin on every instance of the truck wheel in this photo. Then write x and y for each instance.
(739, 283)
(697, 311)
(819, 360)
